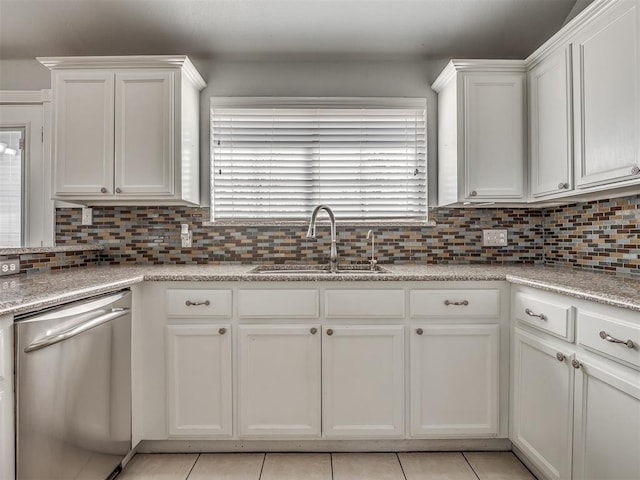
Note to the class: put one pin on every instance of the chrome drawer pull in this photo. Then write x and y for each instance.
(541, 316)
(463, 303)
(605, 336)
(189, 303)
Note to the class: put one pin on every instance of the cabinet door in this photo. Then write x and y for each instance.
(454, 380)
(363, 381)
(7, 438)
(83, 133)
(542, 409)
(199, 380)
(279, 381)
(551, 116)
(494, 146)
(606, 423)
(144, 137)
(607, 84)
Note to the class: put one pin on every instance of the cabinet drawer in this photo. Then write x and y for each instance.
(454, 303)
(364, 303)
(548, 315)
(593, 327)
(199, 303)
(278, 304)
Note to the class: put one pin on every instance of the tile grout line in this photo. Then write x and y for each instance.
(264, 459)
(401, 467)
(470, 466)
(192, 467)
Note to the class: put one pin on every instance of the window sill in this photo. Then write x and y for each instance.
(305, 223)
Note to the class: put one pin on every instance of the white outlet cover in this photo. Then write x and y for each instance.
(87, 216)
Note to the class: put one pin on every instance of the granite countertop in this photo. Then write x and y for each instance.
(24, 293)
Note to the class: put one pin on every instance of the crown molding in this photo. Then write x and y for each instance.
(24, 96)
(484, 66)
(127, 61)
(564, 35)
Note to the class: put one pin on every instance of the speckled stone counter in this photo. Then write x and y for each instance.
(22, 293)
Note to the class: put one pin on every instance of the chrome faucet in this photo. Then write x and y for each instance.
(311, 233)
(373, 260)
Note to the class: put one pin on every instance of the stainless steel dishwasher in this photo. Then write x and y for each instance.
(73, 388)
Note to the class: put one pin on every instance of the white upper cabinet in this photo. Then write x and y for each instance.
(607, 128)
(126, 129)
(481, 134)
(550, 108)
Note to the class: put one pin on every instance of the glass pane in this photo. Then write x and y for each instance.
(11, 178)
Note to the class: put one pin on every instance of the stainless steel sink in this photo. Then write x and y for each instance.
(317, 270)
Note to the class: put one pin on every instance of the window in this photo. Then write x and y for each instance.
(279, 158)
(11, 187)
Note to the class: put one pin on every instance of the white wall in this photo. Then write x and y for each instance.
(344, 78)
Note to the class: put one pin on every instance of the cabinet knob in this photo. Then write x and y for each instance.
(473, 193)
(329, 332)
(635, 170)
(118, 190)
(575, 363)
(563, 186)
(103, 190)
(560, 356)
(313, 331)
(419, 331)
(222, 331)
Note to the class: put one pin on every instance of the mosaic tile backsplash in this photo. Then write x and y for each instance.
(152, 234)
(40, 262)
(599, 235)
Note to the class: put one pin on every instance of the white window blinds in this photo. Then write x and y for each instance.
(278, 163)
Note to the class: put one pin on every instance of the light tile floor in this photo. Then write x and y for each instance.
(326, 466)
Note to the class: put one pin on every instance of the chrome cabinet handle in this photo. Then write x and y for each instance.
(222, 331)
(419, 331)
(575, 363)
(560, 356)
(103, 190)
(541, 316)
(473, 193)
(464, 303)
(189, 303)
(313, 331)
(635, 170)
(605, 336)
(329, 332)
(118, 190)
(563, 185)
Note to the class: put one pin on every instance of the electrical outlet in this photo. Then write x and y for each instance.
(9, 267)
(494, 238)
(87, 216)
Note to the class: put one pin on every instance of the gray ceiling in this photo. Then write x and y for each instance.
(283, 29)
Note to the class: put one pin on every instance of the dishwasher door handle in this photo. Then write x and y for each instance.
(64, 334)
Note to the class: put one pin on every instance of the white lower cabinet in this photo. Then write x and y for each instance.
(7, 458)
(542, 386)
(606, 422)
(199, 380)
(363, 381)
(454, 380)
(279, 381)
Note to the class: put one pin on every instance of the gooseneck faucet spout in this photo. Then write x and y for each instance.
(311, 233)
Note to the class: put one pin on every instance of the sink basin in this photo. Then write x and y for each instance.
(317, 269)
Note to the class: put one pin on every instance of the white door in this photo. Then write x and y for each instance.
(542, 409)
(83, 129)
(363, 381)
(279, 381)
(7, 438)
(550, 116)
(494, 146)
(607, 86)
(37, 210)
(199, 380)
(144, 136)
(606, 423)
(454, 380)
